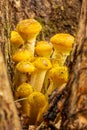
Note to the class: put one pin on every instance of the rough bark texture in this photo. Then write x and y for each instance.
(54, 15)
(74, 113)
(8, 114)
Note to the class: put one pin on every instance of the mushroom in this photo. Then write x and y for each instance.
(37, 103)
(29, 29)
(42, 65)
(23, 71)
(25, 67)
(59, 76)
(44, 49)
(16, 41)
(62, 44)
(22, 92)
(21, 55)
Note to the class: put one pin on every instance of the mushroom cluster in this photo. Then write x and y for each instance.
(38, 66)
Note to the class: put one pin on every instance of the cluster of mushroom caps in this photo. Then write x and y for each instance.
(39, 66)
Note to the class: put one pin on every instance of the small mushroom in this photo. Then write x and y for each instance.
(16, 41)
(23, 72)
(21, 55)
(22, 92)
(62, 44)
(59, 76)
(38, 104)
(29, 29)
(25, 67)
(42, 65)
(44, 49)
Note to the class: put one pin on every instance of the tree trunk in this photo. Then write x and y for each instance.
(8, 114)
(74, 113)
(55, 16)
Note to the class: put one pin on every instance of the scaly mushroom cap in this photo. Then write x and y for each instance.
(25, 67)
(21, 55)
(42, 63)
(43, 48)
(24, 90)
(16, 39)
(37, 99)
(62, 42)
(29, 28)
(59, 74)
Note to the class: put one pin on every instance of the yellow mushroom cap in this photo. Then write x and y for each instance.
(21, 55)
(37, 102)
(16, 39)
(42, 63)
(37, 99)
(62, 41)
(29, 28)
(59, 74)
(43, 48)
(24, 90)
(25, 67)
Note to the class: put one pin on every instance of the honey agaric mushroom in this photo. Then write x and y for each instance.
(29, 29)
(62, 43)
(23, 71)
(23, 91)
(44, 49)
(16, 39)
(25, 67)
(21, 55)
(59, 75)
(42, 65)
(37, 102)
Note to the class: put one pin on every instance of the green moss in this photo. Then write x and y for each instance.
(41, 20)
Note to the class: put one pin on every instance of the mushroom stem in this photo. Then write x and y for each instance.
(60, 57)
(37, 79)
(19, 78)
(31, 46)
(50, 89)
(42, 65)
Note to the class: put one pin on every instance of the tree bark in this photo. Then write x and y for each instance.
(8, 114)
(74, 113)
(55, 16)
